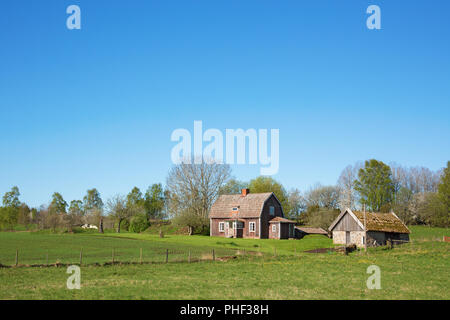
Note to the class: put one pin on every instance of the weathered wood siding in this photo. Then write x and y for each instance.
(347, 223)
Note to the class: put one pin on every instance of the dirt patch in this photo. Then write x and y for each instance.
(321, 250)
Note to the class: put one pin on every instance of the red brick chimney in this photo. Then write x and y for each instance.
(245, 192)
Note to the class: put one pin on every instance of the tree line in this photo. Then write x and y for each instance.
(417, 195)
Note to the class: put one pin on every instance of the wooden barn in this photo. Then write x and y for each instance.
(352, 227)
(250, 215)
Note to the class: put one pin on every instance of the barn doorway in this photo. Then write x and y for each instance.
(347, 237)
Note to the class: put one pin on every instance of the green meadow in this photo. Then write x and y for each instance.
(262, 269)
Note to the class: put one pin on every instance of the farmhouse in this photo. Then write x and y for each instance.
(250, 215)
(348, 228)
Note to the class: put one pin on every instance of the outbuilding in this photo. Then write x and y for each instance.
(353, 227)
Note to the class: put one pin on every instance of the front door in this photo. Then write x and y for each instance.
(347, 237)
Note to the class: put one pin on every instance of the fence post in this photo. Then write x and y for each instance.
(167, 255)
(213, 255)
(189, 257)
(81, 256)
(113, 255)
(140, 256)
(17, 257)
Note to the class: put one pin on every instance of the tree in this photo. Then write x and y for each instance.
(193, 188)
(347, 192)
(444, 187)
(118, 209)
(56, 211)
(154, 201)
(375, 185)
(297, 204)
(93, 207)
(11, 198)
(268, 184)
(8, 218)
(323, 197)
(320, 217)
(74, 215)
(233, 186)
(58, 204)
(401, 205)
(189, 218)
(134, 198)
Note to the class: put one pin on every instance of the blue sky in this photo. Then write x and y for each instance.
(96, 107)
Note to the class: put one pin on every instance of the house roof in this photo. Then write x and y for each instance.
(249, 206)
(385, 222)
(280, 220)
(309, 230)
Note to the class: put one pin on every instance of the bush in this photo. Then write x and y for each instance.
(139, 223)
(124, 225)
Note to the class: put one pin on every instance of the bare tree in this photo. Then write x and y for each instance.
(297, 203)
(117, 208)
(348, 197)
(323, 197)
(193, 188)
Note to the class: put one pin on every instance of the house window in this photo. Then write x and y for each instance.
(274, 228)
(272, 210)
(221, 226)
(252, 226)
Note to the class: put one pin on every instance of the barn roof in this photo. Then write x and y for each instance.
(385, 222)
(281, 220)
(249, 206)
(309, 230)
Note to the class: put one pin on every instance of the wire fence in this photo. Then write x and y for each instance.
(102, 256)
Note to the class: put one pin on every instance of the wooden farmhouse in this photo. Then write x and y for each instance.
(250, 215)
(348, 228)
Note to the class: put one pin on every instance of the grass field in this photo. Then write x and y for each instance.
(419, 270)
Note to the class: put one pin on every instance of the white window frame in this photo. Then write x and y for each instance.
(252, 226)
(221, 226)
(274, 228)
(272, 210)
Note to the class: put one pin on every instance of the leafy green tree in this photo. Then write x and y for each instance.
(268, 184)
(154, 201)
(74, 215)
(444, 187)
(11, 198)
(93, 207)
(58, 204)
(8, 218)
(134, 198)
(92, 200)
(375, 185)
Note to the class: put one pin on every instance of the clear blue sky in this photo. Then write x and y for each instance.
(96, 107)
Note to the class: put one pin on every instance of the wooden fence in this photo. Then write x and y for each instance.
(147, 256)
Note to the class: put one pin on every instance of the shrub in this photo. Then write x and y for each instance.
(139, 223)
